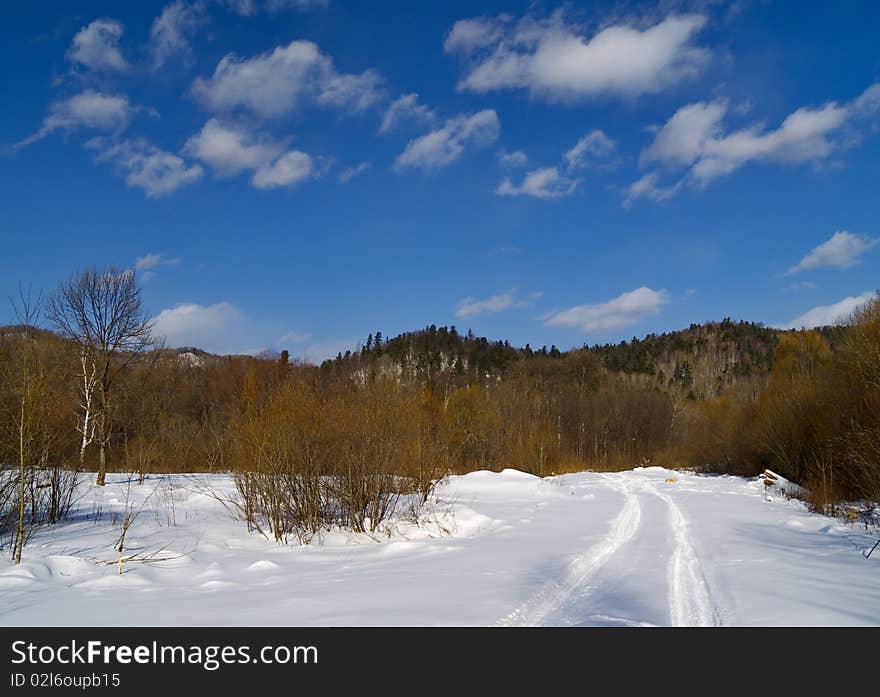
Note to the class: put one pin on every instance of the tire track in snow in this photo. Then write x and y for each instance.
(689, 597)
(553, 595)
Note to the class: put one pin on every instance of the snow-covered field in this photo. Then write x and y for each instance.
(497, 549)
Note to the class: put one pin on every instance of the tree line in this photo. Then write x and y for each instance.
(86, 387)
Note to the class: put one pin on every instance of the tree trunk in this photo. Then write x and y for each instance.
(102, 434)
(102, 464)
(19, 539)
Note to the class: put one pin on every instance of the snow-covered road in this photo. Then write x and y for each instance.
(647, 547)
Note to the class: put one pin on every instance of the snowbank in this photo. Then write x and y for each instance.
(647, 547)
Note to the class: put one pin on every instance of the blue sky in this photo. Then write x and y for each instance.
(299, 174)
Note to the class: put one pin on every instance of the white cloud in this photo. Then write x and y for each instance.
(842, 250)
(694, 137)
(229, 150)
(649, 187)
(593, 149)
(406, 108)
(623, 311)
(151, 261)
(210, 327)
(96, 46)
(171, 30)
(292, 168)
(825, 315)
(513, 160)
(145, 166)
(683, 138)
(469, 307)
(867, 104)
(546, 183)
(279, 81)
(468, 35)
(89, 109)
(553, 58)
(445, 145)
(145, 264)
(350, 173)
(593, 146)
(353, 92)
(802, 137)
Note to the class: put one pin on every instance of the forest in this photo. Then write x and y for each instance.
(86, 389)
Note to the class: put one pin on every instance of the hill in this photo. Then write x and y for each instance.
(699, 362)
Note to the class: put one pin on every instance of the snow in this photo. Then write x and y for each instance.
(640, 548)
(779, 485)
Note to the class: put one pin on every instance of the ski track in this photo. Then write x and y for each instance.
(537, 610)
(689, 597)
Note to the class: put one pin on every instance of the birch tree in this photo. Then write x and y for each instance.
(86, 416)
(101, 310)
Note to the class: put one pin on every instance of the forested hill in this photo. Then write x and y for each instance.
(699, 361)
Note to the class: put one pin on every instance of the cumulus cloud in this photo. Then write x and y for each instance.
(292, 168)
(546, 183)
(350, 173)
(590, 148)
(683, 138)
(841, 251)
(210, 327)
(172, 30)
(554, 59)
(89, 109)
(96, 46)
(694, 138)
(623, 311)
(406, 108)
(826, 315)
(145, 166)
(469, 307)
(230, 150)
(279, 81)
(445, 145)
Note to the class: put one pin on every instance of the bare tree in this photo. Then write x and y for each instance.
(101, 310)
(27, 312)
